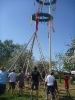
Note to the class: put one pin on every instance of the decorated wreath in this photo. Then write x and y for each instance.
(46, 3)
(46, 16)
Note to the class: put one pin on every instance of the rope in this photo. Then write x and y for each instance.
(30, 53)
(40, 50)
(21, 52)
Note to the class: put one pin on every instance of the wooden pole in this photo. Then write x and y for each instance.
(50, 39)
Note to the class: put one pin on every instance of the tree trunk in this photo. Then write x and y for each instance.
(60, 76)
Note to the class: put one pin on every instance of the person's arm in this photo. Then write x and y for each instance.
(45, 84)
(8, 78)
(54, 78)
(17, 78)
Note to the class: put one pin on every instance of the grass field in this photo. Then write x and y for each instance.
(42, 95)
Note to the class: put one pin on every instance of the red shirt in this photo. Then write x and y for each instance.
(66, 81)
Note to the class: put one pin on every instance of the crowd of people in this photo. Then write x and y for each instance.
(50, 83)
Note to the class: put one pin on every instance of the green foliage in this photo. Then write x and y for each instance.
(22, 61)
(6, 48)
(69, 61)
(9, 52)
(58, 62)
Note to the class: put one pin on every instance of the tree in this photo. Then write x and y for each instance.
(22, 61)
(6, 49)
(73, 43)
(59, 63)
(1, 51)
(69, 62)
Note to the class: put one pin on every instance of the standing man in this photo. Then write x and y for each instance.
(20, 79)
(50, 85)
(34, 82)
(3, 78)
(12, 80)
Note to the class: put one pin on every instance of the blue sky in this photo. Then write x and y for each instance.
(15, 24)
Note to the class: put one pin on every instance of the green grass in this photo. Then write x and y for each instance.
(42, 93)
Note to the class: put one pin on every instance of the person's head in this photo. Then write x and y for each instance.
(66, 76)
(20, 70)
(2, 68)
(35, 68)
(13, 70)
(52, 73)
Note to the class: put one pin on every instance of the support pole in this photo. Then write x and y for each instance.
(50, 48)
(21, 53)
(50, 40)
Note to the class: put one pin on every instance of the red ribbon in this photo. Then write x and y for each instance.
(48, 34)
(37, 21)
(53, 29)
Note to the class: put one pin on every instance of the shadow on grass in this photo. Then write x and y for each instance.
(3, 98)
(28, 96)
(7, 97)
(66, 98)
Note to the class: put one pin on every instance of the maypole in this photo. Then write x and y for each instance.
(50, 57)
(50, 35)
(45, 17)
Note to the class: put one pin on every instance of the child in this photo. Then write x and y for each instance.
(66, 85)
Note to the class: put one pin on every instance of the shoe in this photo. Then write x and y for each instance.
(46, 99)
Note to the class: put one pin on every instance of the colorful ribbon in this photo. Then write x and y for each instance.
(31, 20)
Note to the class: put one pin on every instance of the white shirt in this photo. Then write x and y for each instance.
(12, 76)
(27, 76)
(50, 80)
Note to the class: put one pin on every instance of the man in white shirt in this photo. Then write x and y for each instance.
(50, 85)
(12, 80)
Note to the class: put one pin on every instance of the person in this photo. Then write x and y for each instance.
(66, 83)
(27, 77)
(12, 80)
(34, 82)
(3, 79)
(20, 80)
(56, 88)
(50, 85)
(45, 84)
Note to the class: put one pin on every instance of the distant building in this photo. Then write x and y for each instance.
(72, 72)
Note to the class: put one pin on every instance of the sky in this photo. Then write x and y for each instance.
(15, 24)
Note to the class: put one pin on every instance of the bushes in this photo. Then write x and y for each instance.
(56, 76)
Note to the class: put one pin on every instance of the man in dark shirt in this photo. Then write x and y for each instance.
(35, 81)
(20, 79)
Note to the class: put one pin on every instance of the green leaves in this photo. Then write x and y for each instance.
(69, 62)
